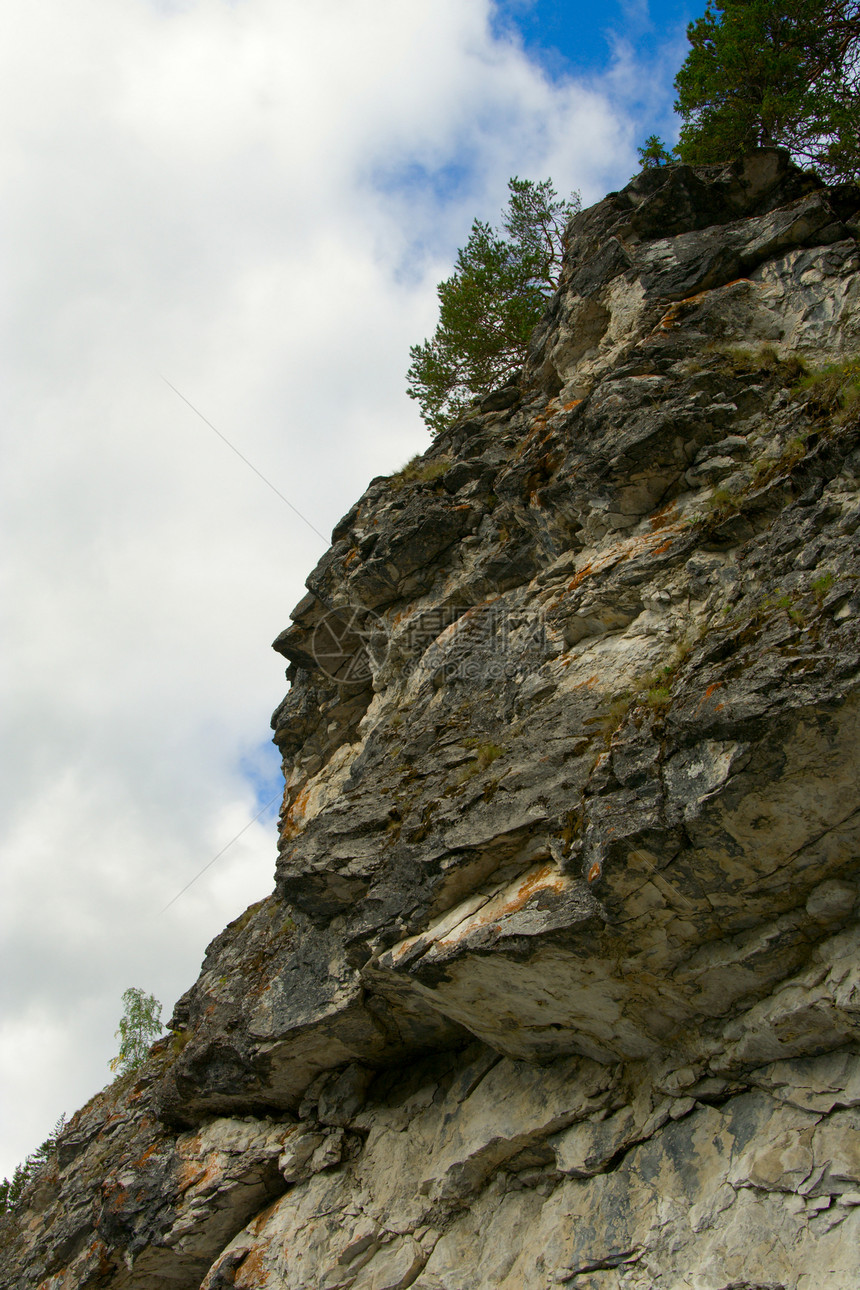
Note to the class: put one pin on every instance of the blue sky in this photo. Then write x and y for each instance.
(572, 39)
(625, 53)
(569, 37)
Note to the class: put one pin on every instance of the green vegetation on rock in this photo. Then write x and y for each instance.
(833, 390)
(419, 471)
(491, 304)
(139, 1026)
(765, 73)
(654, 153)
(11, 1189)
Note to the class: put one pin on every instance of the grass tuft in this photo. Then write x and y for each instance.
(833, 391)
(418, 471)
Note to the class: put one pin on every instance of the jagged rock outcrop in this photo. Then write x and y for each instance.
(560, 980)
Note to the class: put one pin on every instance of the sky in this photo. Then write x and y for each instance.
(221, 216)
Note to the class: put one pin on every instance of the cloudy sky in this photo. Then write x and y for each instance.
(249, 202)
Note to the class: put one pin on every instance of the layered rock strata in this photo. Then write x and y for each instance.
(559, 983)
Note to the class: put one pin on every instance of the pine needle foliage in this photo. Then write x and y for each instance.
(654, 153)
(492, 302)
(12, 1189)
(773, 73)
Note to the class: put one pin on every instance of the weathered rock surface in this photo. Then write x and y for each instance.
(560, 980)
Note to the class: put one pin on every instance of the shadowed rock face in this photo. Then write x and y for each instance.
(559, 983)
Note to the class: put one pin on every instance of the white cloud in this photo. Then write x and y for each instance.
(254, 200)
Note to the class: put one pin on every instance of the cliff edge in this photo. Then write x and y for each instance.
(560, 980)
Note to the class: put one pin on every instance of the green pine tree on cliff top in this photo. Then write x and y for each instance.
(764, 73)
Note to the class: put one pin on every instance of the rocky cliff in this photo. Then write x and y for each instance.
(560, 980)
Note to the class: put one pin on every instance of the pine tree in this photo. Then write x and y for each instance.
(764, 73)
(654, 153)
(11, 1189)
(491, 304)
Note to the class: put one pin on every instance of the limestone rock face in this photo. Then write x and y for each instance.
(560, 980)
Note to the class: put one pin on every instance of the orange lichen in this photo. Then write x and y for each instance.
(97, 1261)
(595, 871)
(662, 517)
(709, 693)
(519, 898)
(141, 1160)
(251, 1272)
(580, 576)
(490, 914)
(294, 820)
(115, 1195)
(191, 1172)
(540, 475)
(673, 314)
(545, 878)
(626, 550)
(263, 1217)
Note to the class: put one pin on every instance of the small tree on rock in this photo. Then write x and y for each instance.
(492, 302)
(654, 153)
(12, 1189)
(139, 1026)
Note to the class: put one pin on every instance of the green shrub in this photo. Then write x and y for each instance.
(485, 751)
(766, 360)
